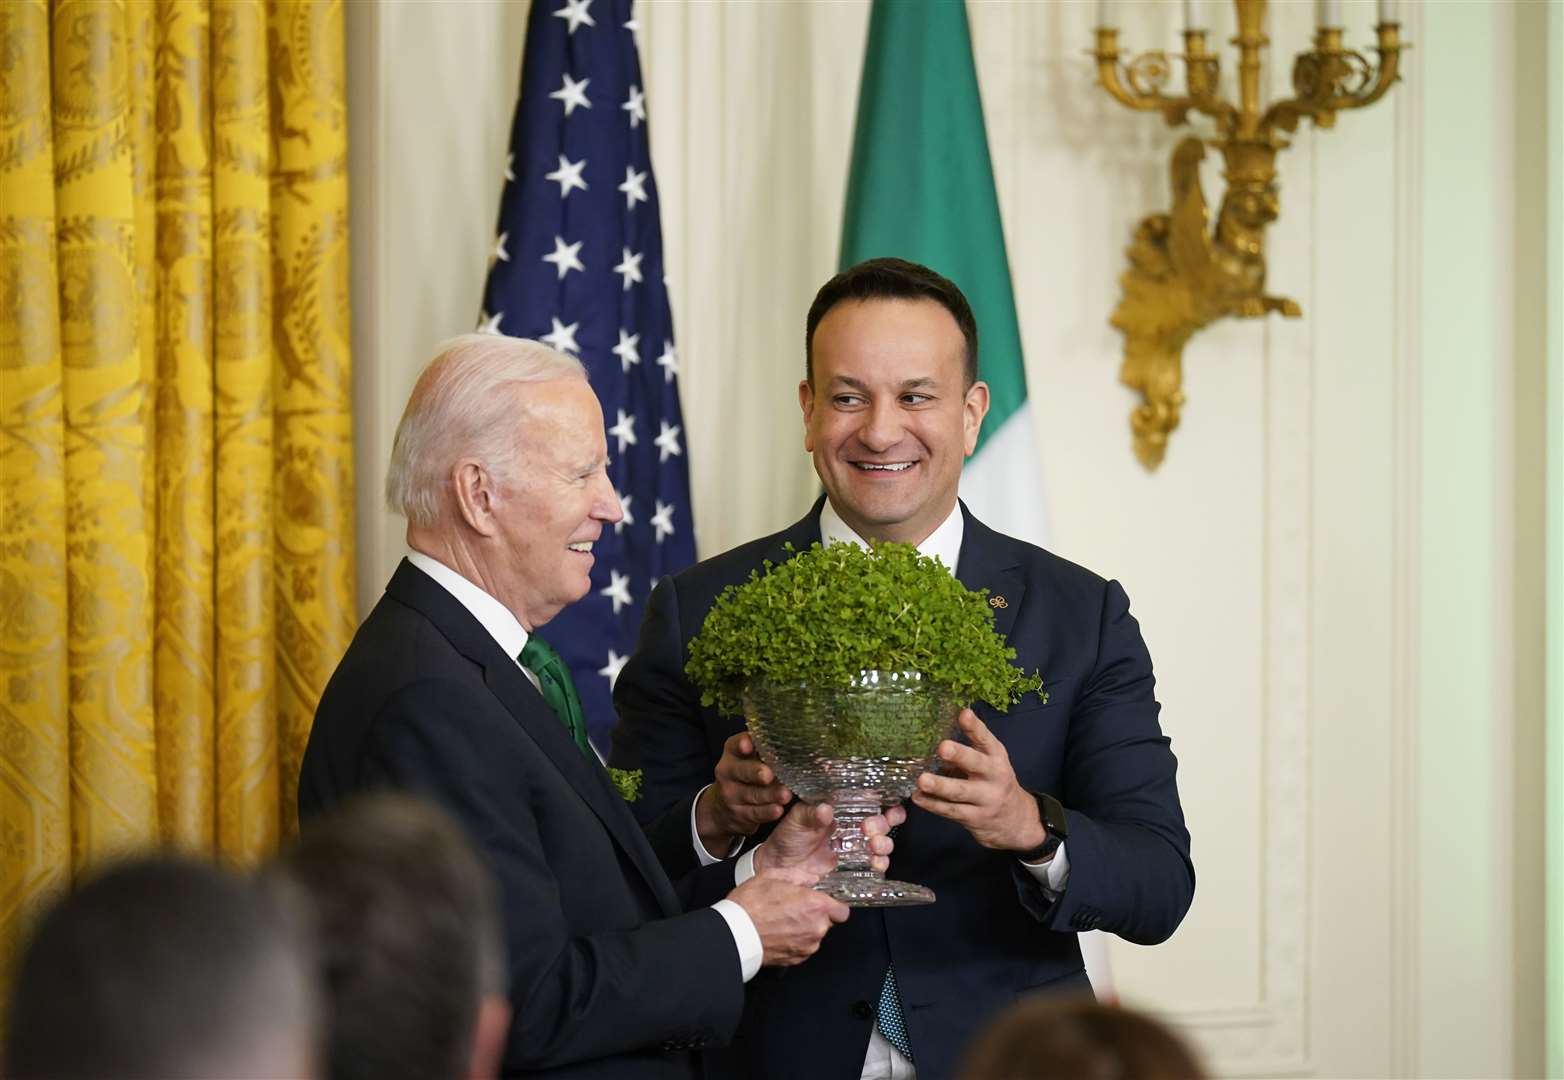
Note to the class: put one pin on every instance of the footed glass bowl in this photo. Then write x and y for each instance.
(859, 748)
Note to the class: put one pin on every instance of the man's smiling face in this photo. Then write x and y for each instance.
(889, 418)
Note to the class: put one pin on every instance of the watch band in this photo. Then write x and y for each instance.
(1051, 812)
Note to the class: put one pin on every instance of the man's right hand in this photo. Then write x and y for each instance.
(744, 796)
(790, 918)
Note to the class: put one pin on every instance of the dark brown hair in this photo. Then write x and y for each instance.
(1054, 1038)
(161, 965)
(409, 936)
(892, 279)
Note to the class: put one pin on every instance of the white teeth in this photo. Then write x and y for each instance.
(584, 546)
(898, 467)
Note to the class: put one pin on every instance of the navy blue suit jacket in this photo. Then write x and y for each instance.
(610, 975)
(992, 934)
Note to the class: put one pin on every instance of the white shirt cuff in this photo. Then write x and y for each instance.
(745, 937)
(706, 858)
(1054, 874)
(744, 869)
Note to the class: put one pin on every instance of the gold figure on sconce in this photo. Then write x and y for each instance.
(1183, 274)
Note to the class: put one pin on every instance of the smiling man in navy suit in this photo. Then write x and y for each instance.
(499, 465)
(1057, 816)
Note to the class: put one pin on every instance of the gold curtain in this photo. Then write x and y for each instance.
(176, 482)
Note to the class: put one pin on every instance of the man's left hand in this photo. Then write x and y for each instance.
(980, 792)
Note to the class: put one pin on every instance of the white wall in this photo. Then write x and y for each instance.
(1299, 565)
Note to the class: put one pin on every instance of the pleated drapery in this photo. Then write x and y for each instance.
(176, 481)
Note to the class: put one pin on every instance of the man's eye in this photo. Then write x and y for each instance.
(915, 399)
(847, 401)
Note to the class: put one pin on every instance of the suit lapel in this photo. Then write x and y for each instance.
(987, 561)
(801, 534)
(515, 691)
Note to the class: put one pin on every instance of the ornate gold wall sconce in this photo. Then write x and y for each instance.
(1183, 274)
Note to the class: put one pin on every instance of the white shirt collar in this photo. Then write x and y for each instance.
(495, 617)
(944, 543)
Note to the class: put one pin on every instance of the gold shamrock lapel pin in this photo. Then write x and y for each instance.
(998, 602)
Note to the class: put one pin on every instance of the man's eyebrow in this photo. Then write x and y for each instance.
(920, 383)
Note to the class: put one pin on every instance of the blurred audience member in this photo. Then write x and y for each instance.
(1051, 1038)
(410, 945)
(164, 967)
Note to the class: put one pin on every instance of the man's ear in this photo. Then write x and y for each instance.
(973, 408)
(473, 488)
(806, 404)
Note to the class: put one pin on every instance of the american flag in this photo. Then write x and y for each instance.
(578, 263)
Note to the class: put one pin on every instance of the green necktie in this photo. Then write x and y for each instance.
(539, 657)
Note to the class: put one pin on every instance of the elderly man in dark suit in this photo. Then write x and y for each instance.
(1057, 816)
(499, 464)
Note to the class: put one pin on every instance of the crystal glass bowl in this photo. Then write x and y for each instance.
(859, 748)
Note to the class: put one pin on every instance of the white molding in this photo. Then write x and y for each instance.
(1271, 1037)
(1407, 470)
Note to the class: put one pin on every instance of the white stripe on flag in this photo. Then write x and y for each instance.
(1003, 482)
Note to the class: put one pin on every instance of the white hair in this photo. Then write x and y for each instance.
(462, 405)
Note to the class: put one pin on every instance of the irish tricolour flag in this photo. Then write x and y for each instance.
(922, 188)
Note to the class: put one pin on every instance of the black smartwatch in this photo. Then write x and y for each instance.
(1051, 813)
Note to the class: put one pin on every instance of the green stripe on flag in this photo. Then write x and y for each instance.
(922, 187)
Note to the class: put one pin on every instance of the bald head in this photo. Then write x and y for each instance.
(464, 406)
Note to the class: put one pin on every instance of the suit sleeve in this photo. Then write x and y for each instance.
(668, 982)
(660, 729)
(1130, 869)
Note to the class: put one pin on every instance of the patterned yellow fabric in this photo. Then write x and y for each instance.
(176, 480)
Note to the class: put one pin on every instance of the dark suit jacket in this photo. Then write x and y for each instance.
(610, 976)
(992, 934)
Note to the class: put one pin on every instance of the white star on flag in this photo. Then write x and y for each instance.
(575, 13)
(490, 324)
(630, 268)
(499, 248)
(624, 431)
(572, 93)
(568, 175)
(635, 105)
(562, 337)
(617, 590)
(634, 187)
(627, 350)
(565, 257)
(668, 361)
(625, 517)
(510, 160)
(662, 521)
(612, 668)
(667, 442)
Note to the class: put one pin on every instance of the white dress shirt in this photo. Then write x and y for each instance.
(508, 633)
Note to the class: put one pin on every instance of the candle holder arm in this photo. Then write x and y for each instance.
(1331, 79)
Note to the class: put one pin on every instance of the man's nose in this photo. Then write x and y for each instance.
(882, 427)
(606, 506)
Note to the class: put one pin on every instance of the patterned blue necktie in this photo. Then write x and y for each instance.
(890, 1020)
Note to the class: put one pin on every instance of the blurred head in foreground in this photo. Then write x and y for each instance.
(412, 956)
(164, 967)
(1078, 1039)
